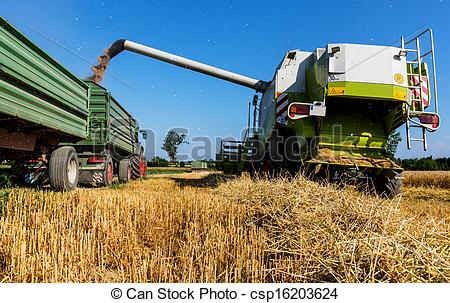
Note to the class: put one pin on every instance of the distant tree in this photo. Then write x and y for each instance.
(443, 163)
(392, 144)
(427, 164)
(171, 143)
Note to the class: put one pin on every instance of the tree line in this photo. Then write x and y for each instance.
(427, 163)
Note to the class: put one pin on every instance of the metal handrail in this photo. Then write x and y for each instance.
(431, 77)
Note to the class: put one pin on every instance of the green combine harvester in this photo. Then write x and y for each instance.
(330, 112)
(58, 128)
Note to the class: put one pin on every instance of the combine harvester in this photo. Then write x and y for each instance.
(330, 112)
(57, 127)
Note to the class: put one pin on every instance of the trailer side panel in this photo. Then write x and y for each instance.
(37, 90)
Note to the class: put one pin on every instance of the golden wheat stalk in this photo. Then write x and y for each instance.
(206, 228)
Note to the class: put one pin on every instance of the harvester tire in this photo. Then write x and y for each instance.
(125, 170)
(63, 169)
(389, 186)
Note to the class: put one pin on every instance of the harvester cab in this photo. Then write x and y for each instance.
(403, 79)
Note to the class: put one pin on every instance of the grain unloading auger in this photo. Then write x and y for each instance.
(121, 45)
(330, 112)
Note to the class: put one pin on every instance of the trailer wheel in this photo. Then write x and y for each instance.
(63, 170)
(108, 171)
(142, 167)
(136, 166)
(124, 170)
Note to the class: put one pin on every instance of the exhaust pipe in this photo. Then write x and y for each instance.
(122, 44)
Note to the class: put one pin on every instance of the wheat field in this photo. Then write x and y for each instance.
(436, 179)
(200, 227)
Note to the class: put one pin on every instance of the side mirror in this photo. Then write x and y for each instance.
(255, 99)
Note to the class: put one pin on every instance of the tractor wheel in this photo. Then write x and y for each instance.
(125, 170)
(63, 170)
(108, 171)
(389, 186)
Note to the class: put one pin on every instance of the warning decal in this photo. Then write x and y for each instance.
(334, 91)
(400, 95)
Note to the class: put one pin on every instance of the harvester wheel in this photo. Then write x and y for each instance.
(389, 186)
(125, 170)
(63, 170)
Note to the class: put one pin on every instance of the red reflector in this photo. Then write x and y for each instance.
(299, 109)
(429, 119)
(95, 159)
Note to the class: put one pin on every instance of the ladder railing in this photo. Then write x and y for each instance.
(419, 113)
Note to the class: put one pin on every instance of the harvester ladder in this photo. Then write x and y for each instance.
(418, 89)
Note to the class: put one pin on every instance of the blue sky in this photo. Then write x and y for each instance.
(248, 37)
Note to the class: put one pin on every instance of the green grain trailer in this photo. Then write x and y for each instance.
(41, 105)
(199, 166)
(112, 145)
(58, 127)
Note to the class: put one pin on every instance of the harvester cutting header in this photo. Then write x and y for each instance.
(330, 111)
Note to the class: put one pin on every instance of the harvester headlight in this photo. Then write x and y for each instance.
(402, 53)
(335, 49)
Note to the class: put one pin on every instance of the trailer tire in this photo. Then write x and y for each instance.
(136, 166)
(108, 171)
(124, 170)
(63, 169)
(143, 167)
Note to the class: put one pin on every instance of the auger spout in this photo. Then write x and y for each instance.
(122, 44)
